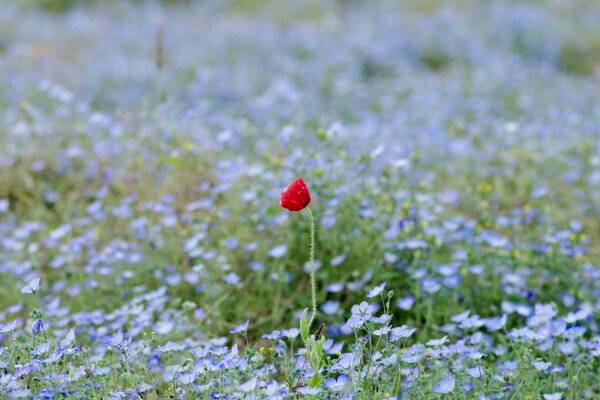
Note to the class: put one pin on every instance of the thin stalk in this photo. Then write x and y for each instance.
(313, 279)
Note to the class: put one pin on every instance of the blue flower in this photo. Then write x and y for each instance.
(345, 362)
(278, 251)
(495, 323)
(291, 333)
(437, 342)
(541, 365)
(32, 287)
(405, 303)
(8, 327)
(335, 261)
(508, 365)
(276, 334)
(376, 291)
(476, 372)
(248, 386)
(335, 287)
(353, 324)
(430, 285)
(414, 353)
(337, 385)
(309, 390)
(330, 307)
(332, 348)
(445, 385)
(401, 332)
(38, 326)
(363, 311)
(241, 328)
(553, 396)
(232, 278)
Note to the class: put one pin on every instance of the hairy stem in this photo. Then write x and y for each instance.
(313, 279)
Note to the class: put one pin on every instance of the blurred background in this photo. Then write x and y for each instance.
(380, 69)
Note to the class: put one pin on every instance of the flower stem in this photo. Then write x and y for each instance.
(313, 279)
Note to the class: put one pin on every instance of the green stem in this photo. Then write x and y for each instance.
(313, 279)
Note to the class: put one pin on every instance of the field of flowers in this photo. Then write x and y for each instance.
(451, 157)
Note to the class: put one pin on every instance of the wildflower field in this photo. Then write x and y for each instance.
(338, 199)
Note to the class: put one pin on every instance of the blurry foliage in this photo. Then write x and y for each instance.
(54, 5)
(501, 188)
(64, 5)
(434, 58)
(371, 68)
(580, 58)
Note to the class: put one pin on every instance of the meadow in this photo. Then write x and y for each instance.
(452, 155)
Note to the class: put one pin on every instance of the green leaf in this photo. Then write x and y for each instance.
(304, 326)
(316, 380)
(319, 346)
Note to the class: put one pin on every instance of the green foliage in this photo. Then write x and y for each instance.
(434, 58)
(580, 58)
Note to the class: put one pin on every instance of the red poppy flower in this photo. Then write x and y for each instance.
(295, 196)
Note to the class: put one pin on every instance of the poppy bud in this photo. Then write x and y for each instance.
(296, 195)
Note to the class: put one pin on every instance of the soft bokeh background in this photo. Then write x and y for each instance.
(452, 149)
(494, 100)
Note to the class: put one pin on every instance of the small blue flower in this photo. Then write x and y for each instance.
(402, 332)
(541, 365)
(32, 287)
(335, 287)
(476, 372)
(38, 326)
(330, 307)
(445, 385)
(248, 386)
(335, 261)
(232, 278)
(405, 303)
(437, 342)
(332, 348)
(430, 285)
(309, 390)
(241, 328)
(337, 385)
(291, 333)
(363, 311)
(376, 291)
(278, 251)
(346, 361)
(495, 323)
(8, 327)
(553, 396)
(276, 334)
